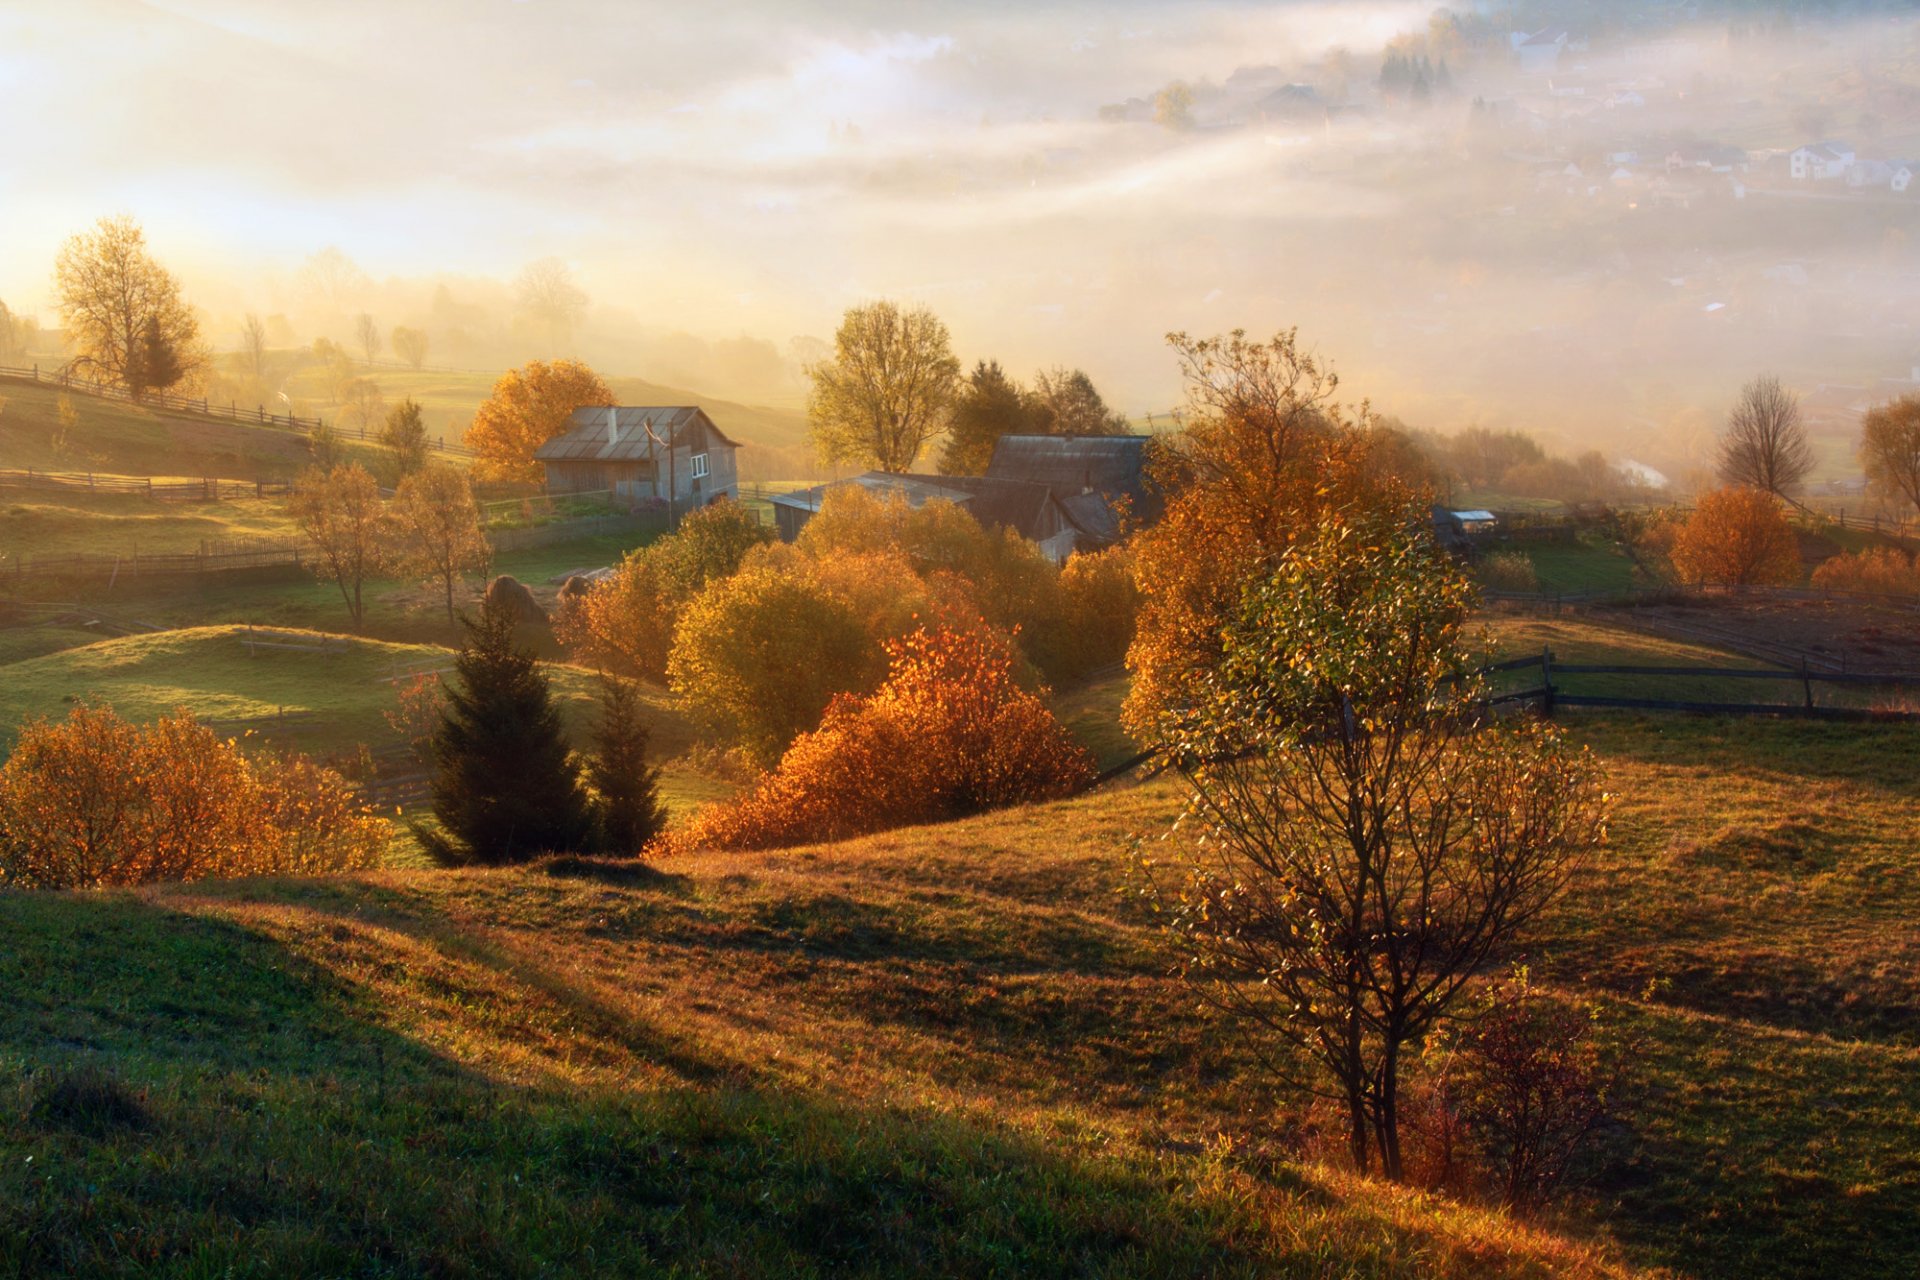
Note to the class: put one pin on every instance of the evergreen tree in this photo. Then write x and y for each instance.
(990, 405)
(508, 788)
(628, 810)
(153, 362)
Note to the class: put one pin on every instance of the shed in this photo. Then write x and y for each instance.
(642, 453)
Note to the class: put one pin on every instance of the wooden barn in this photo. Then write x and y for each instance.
(643, 454)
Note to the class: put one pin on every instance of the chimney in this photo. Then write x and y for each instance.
(613, 424)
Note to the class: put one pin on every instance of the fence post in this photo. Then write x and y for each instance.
(1546, 682)
(1805, 682)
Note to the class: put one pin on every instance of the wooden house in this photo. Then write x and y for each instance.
(643, 454)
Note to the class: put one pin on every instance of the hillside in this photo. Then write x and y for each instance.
(777, 438)
(933, 1054)
(113, 436)
(339, 687)
(952, 1050)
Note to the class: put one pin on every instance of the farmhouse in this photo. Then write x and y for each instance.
(1820, 162)
(642, 454)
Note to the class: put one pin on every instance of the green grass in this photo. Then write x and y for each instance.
(211, 672)
(1591, 564)
(40, 522)
(925, 1054)
(1091, 714)
(953, 1050)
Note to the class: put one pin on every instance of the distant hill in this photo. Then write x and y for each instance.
(776, 438)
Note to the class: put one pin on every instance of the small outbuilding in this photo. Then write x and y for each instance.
(666, 454)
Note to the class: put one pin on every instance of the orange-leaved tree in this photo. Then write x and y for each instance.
(950, 732)
(1265, 452)
(95, 800)
(529, 406)
(1737, 536)
(1880, 571)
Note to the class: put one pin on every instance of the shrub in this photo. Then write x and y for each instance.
(1737, 536)
(760, 655)
(1098, 605)
(1509, 571)
(1881, 571)
(94, 800)
(951, 732)
(1534, 1081)
(627, 623)
(1008, 579)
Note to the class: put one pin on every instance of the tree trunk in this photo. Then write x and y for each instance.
(1388, 1119)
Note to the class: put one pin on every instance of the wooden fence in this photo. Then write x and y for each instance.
(232, 411)
(208, 489)
(1550, 695)
(268, 554)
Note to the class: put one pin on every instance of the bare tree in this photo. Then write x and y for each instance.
(545, 292)
(410, 345)
(367, 333)
(1890, 448)
(1765, 446)
(253, 346)
(332, 276)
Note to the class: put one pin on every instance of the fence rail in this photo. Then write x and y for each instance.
(207, 489)
(231, 411)
(1551, 695)
(91, 564)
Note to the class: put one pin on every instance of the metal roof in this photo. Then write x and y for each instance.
(1073, 464)
(630, 433)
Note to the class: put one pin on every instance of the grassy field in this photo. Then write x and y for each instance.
(41, 522)
(1591, 564)
(112, 436)
(943, 1051)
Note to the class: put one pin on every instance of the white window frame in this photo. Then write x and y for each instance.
(699, 466)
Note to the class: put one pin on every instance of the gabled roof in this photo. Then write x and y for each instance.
(630, 433)
(1073, 464)
(917, 490)
(1020, 505)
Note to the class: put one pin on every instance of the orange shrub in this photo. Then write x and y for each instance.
(1737, 536)
(949, 733)
(94, 800)
(1880, 571)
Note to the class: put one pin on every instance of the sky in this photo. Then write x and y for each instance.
(736, 173)
(738, 166)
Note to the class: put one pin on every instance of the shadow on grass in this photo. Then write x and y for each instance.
(179, 1094)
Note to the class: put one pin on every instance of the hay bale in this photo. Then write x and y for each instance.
(510, 592)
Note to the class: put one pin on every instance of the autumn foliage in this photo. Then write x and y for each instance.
(1738, 537)
(96, 800)
(1267, 453)
(529, 406)
(950, 732)
(1880, 571)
